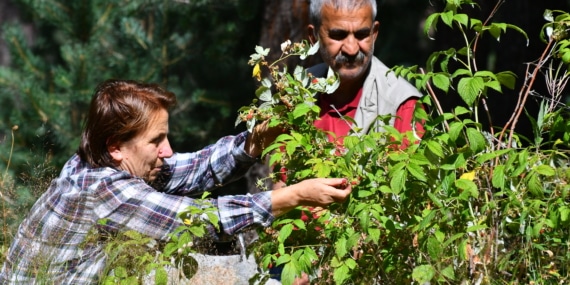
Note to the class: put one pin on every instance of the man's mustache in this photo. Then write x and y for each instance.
(357, 59)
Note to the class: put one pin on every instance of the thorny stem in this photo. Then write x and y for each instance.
(523, 95)
(474, 61)
(478, 36)
(2, 197)
(434, 98)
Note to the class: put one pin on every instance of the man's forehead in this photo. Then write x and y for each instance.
(361, 15)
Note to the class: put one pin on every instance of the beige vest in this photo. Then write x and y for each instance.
(382, 94)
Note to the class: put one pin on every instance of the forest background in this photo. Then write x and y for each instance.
(53, 54)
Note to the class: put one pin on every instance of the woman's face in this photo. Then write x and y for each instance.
(143, 156)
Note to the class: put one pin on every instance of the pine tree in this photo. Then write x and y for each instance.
(196, 49)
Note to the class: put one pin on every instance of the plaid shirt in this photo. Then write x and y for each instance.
(53, 241)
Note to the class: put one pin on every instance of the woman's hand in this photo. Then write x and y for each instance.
(314, 192)
(261, 137)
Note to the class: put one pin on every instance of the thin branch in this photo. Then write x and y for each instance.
(434, 98)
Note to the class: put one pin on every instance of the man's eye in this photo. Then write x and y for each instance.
(362, 35)
(338, 35)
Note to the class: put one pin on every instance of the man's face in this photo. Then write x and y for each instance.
(143, 156)
(347, 40)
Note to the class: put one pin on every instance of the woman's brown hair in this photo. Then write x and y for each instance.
(119, 111)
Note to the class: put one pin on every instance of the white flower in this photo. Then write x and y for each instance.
(285, 45)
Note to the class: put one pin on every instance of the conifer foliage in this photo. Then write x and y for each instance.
(185, 46)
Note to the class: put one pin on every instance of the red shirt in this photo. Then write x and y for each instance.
(332, 121)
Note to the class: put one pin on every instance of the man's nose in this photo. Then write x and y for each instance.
(350, 46)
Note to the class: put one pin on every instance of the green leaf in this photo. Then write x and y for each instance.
(374, 234)
(285, 232)
(416, 171)
(341, 273)
(427, 220)
(434, 248)
(121, 272)
(160, 276)
(283, 259)
(495, 85)
(564, 213)
(462, 250)
(486, 156)
(475, 228)
(535, 185)
(398, 180)
(340, 247)
(435, 148)
(477, 141)
(441, 81)
(447, 18)
(289, 273)
(299, 224)
(462, 72)
(431, 22)
(467, 186)
(498, 180)
(448, 272)
(507, 79)
(545, 170)
(301, 110)
(463, 19)
(455, 129)
(423, 273)
(470, 88)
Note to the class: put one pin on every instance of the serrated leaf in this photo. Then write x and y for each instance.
(467, 186)
(340, 274)
(447, 18)
(435, 148)
(448, 272)
(441, 81)
(431, 22)
(534, 185)
(289, 273)
(495, 85)
(498, 179)
(470, 88)
(398, 180)
(340, 247)
(416, 171)
(507, 79)
(283, 259)
(455, 129)
(434, 247)
(545, 170)
(423, 273)
(477, 141)
(160, 276)
(463, 19)
(374, 234)
(285, 232)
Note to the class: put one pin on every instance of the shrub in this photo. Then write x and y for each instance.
(463, 204)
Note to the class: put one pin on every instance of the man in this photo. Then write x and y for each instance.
(346, 31)
(126, 174)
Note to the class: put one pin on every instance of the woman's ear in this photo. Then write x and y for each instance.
(115, 152)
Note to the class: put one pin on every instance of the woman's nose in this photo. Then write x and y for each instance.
(165, 150)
